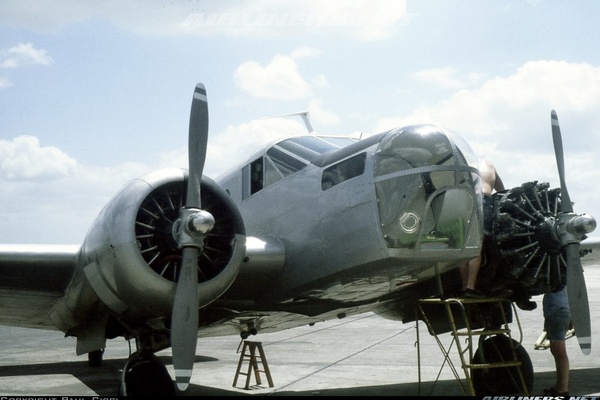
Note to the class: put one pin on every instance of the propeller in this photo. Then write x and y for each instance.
(190, 230)
(571, 229)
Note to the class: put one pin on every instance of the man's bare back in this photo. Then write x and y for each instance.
(490, 179)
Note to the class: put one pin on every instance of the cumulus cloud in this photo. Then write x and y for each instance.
(280, 79)
(48, 197)
(513, 104)
(24, 158)
(24, 54)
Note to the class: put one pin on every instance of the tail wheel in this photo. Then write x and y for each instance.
(502, 380)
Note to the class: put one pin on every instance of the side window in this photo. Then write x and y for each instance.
(257, 171)
(343, 171)
(252, 177)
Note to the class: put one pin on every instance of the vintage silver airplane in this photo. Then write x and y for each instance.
(306, 229)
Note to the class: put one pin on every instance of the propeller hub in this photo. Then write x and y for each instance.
(582, 224)
(571, 228)
(192, 226)
(201, 222)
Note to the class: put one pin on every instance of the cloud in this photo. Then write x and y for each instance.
(278, 80)
(447, 77)
(24, 158)
(48, 197)
(24, 55)
(364, 20)
(320, 115)
(510, 105)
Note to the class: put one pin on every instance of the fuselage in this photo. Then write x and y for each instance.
(367, 217)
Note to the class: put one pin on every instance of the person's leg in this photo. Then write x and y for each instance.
(468, 274)
(561, 360)
(556, 326)
(474, 265)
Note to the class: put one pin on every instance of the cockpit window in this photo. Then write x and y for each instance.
(308, 147)
(289, 156)
(343, 171)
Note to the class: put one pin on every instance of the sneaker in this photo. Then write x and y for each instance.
(526, 305)
(472, 294)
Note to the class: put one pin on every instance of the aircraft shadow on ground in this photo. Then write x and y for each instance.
(104, 380)
(583, 382)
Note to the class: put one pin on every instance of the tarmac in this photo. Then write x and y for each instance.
(362, 355)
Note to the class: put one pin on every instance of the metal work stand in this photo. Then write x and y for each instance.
(460, 313)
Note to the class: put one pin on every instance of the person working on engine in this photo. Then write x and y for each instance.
(490, 181)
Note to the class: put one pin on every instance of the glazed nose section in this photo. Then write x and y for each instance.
(446, 220)
(427, 191)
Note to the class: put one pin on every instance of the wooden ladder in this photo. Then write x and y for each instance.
(249, 354)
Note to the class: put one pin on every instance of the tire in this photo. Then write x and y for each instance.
(501, 380)
(146, 376)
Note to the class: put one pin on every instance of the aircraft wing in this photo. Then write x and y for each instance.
(34, 277)
(590, 251)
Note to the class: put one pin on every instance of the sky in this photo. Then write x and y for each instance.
(95, 93)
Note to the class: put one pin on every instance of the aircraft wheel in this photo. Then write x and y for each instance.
(503, 380)
(146, 376)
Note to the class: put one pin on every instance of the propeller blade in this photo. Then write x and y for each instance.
(578, 299)
(184, 336)
(566, 205)
(198, 139)
(576, 288)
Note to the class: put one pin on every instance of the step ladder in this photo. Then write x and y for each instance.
(249, 354)
(459, 313)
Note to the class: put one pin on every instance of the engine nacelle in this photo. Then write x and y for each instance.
(130, 260)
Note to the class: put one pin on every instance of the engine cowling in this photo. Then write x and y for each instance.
(130, 259)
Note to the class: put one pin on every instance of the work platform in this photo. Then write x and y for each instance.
(500, 365)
